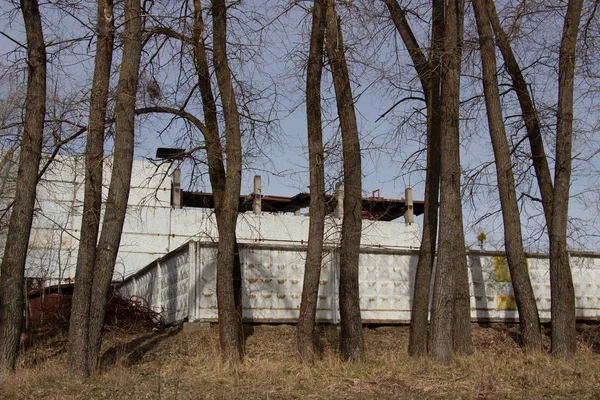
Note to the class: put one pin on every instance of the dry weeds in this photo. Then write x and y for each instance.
(186, 365)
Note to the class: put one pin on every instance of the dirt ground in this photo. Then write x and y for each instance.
(177, 364)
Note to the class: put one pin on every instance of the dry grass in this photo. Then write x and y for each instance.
(182, 365)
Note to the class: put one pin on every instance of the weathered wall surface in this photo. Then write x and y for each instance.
(273, 275)
(152, 228)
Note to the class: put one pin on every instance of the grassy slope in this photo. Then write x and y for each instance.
(182, 365)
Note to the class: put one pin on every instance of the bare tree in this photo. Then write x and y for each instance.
(79, 361)
(513, 241)
(351, 336)
(530, 114)
(13, 263)
(428, 70)
(230, 318)
(314, 256)
(451, 311)
(118, 192)
(563, 303)
(564, 336)
(224, 163)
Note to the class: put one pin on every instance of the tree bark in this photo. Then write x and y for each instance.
(316, 229)
(118, 193)
(230, 318)
(351, 335)
(532, 123)
(428, 71)
(513, 241)
(450, 322)
(12, 269)
(92, 203)
(561, 282)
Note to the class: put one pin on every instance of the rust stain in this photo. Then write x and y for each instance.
(506, 303)
(501, 273)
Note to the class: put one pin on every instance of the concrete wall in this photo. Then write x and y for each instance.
(272, 277)
(152, 228)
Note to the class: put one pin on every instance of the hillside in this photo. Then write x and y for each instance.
(183, 364)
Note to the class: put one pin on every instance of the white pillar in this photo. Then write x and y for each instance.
(409, 214)
(176, 189)
(256, 204)
(339, 196)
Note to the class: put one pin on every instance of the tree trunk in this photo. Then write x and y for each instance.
(12, 270)
(561, 282)
(316, 229)
(450, 322)
(351, 336)
(513, 241)
(118, 193)
(92, 203)
(532, 123)
(230, 318)
(429, 75)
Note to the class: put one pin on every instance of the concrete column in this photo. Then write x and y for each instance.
(339, 196)
(257, 203)
(409, 214)
(176, 189)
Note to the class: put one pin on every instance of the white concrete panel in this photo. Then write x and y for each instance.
(150, 197)
(50, 263)
(144, 243)
(64, 169)
(56, 191)
(194, 223)
(148, 220)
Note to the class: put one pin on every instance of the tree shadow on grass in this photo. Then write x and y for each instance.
(132, 352)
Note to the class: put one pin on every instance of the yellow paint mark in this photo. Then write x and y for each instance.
(506, 303)
(501, 273)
